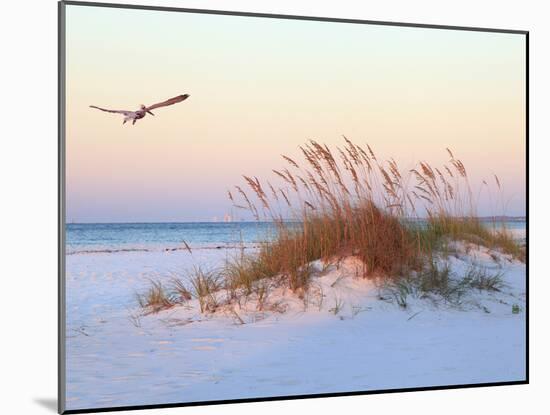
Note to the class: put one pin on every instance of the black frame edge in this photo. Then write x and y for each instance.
(293, 397)
(61, 355)
(291, 17)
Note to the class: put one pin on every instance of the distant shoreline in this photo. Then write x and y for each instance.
(482, 218)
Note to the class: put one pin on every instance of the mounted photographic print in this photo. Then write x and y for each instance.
(261, 207)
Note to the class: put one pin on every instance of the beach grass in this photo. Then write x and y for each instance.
(471, 229)
(346, 202)
(438, 282)
(156, 298)
(205, 286)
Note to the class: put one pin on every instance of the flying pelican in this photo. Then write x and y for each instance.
(143, 110)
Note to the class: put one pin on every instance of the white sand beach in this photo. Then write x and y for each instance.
(115, 357)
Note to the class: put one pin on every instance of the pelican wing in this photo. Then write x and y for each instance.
(115, 111)
(168, 102)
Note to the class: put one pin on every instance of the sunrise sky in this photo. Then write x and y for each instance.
(260, 88)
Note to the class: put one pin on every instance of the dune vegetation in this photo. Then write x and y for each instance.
(343, 202)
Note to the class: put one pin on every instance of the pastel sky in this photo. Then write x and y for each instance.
(260, 88)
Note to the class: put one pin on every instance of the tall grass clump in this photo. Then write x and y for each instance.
(334, 203)
(451, 209)
(203, 286)
(206, 285)
(328, 207)
(156, 298)
(348, 202)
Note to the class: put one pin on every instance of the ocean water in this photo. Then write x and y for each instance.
(124, 237)
(127, 237)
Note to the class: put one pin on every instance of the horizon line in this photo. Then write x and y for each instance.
(496, 217)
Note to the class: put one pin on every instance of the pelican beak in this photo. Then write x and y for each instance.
(150, 112)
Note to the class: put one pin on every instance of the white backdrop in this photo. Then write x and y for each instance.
(28, 231)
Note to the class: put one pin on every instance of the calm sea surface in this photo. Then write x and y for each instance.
(97, 237)
(113, 237)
